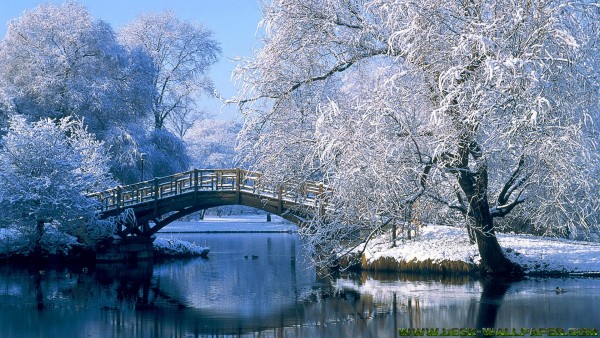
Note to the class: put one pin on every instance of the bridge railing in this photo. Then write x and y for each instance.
(307, 193)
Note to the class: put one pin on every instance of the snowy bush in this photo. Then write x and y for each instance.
(53, 242)
(12, 242)
(56, 242)
(48, 168)
(171, 247)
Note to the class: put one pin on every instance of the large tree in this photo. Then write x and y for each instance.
(57, 61)
(182, 54)
(211, 143)
(48, 167)
(485, 108)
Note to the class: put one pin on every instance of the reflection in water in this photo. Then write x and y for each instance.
(39, 296)
(492, 294)
(276, 294)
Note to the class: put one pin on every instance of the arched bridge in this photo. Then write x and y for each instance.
(163, 200)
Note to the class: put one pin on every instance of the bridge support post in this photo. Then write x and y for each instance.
(279, 199)
(155, 196)
(145, 227)
(237, 185)
(195, 185)
(118, 202)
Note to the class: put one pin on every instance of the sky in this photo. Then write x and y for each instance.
(233, 22)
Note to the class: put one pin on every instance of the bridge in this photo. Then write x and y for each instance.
(162, 200)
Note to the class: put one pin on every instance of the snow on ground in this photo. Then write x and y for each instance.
(240, 223)
(437, 243)
(551, 254)
(173, 247)
(535, 254)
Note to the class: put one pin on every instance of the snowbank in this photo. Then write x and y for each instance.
(171, 247)
(538, 254)
(447, 249)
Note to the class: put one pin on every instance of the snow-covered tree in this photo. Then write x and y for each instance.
(126, 144)
(167, 154)
(182, 54)
(57, 61)
(485, 108)
(211, 143)
(48, 167)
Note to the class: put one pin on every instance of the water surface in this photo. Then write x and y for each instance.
(263, 285)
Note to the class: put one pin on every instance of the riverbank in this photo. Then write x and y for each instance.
(61, 248)
(447, 250)
(437, 249)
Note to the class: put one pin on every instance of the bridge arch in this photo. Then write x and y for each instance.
(160, 201)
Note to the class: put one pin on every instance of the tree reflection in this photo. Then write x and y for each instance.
(39, 294)
(132, 281)
(404, 306)
(135, 300)
(416, 302)
(492, 296)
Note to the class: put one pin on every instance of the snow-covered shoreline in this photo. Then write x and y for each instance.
(448, 246)
(435, 249)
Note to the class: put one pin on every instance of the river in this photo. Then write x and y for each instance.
(262, 284)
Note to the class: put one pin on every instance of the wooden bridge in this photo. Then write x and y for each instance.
(163, 200)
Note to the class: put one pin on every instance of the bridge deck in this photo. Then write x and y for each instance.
(165, 199)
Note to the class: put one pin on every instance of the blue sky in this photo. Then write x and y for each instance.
(233, 22)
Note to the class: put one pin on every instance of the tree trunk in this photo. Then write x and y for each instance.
(493, 260)
(475, 185)
(39, 232)
(471, 232)
(159, 121)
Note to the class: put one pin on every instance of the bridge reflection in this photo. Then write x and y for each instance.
(163, 306)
